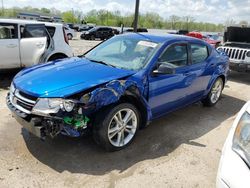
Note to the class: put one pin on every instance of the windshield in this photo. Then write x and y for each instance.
(123, 52)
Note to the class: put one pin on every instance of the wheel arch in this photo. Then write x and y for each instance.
(56, 55)
(135, 100)
(118, 91)
(223, 77)
(214, 78)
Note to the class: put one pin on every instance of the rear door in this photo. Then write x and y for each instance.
(33, 43)
(9, 46)
(199, 71)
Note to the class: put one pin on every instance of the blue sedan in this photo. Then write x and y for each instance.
(117, 87)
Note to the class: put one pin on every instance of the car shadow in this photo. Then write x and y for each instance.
(240, 77)
(160, 138)
(6, 78)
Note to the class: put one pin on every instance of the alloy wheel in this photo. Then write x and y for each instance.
(122, 127)
(216, 91)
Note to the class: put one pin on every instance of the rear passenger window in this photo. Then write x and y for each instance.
(8, 31)
(33, 31)
(199, 53)
(51, 30)
(175, 56)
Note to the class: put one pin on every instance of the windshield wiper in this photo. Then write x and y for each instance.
(101, 62)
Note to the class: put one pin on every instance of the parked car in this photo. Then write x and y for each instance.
(139, 30)
(117, 87)
(24, 43)
(70, 33)
(217, 37)
(234, 167)
(213, 40)
(209, 39)
(76, 27)
(70, 25)
(116, 31)
(182, 32)
(85, 28)
(98, 32)
(237, 46)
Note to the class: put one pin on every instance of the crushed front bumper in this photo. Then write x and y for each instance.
(41, 126)
(33, 125)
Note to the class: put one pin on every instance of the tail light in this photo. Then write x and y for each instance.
(65, 36)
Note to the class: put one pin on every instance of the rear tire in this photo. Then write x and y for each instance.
(215, 93)
(116, 126)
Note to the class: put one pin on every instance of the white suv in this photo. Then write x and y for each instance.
(25, 43)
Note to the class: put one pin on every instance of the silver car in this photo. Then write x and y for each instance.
(24, 43)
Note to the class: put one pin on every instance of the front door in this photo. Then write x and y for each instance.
(168, 91)
(9, 46)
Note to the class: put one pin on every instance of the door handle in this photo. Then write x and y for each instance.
(11, 45)
(39, 44)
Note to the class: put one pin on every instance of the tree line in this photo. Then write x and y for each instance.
(115, 18)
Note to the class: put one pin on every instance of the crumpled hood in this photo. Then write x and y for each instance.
(62, 78)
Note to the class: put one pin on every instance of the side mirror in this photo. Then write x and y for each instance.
(163, 69)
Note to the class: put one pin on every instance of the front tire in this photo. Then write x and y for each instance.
(116, 127)
(214, 94)
(92, 37)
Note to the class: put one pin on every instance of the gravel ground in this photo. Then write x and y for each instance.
(181, 149)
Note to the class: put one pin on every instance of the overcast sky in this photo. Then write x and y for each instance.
(217, 11)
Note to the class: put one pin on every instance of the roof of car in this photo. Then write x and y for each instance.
(161, 38)
(20, 21)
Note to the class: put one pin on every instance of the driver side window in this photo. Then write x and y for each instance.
(175, 56)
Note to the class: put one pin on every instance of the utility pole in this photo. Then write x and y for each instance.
(2, 9)
(73, 16)
(136, 15)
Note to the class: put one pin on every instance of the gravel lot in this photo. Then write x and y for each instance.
(181, 149)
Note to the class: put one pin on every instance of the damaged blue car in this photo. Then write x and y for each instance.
(117, 87)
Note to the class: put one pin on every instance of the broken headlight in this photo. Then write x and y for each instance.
(52, 105)
(85, 98)
(241, 140)
(68, 105)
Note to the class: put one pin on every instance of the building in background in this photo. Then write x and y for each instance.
(38, 17)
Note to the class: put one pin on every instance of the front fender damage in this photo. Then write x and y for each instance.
(114, 90)
(81, 118)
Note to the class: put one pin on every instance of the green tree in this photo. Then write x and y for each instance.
(69, 17)
(45, 10)
(174, 21)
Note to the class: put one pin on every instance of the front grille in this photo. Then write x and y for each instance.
(26, 106)
(237, 54)
(22, 101)
(27, 96)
